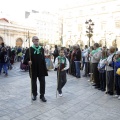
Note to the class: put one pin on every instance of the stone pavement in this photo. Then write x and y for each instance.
(80, 100)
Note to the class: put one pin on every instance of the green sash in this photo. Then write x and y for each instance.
(95, 51)
(62, 59)
(37, 49)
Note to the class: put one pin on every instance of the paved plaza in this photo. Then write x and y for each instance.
(80, 100)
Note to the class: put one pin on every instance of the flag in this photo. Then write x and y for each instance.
(27, 14)
(34, 11)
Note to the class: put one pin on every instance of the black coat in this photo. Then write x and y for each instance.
(77, 55)
(2, 55)
(56, 53)
(38, 63)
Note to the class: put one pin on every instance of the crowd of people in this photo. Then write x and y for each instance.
(100, 64)
(8, 56)
(103, 67)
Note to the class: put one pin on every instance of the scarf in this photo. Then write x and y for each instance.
(118, 60)
(61, 59)
(95, 51)
(37, 50)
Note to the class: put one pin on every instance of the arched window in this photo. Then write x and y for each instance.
(92, 42)
(69, 42)
(19, 42)
(102, 43)
(80, 43)
(1, 40)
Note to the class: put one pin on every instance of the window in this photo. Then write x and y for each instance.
(79, 27)
(117, 24)
(69, 14)
(91, 10)
(103, 8)
(103, 25)
(80, 12)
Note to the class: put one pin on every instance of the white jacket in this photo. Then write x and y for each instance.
(96, 57)
(67, 64)
(109, 60)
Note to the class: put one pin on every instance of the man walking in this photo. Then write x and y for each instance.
(38, 67)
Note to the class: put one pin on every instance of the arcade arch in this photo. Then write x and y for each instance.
(19, 42)
(1, 40)
(69, 42)
(115, 43)
(102, 43)
(92, 42)
(80, 43)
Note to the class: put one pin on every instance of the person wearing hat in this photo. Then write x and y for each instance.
(38, 67)
(116, 64)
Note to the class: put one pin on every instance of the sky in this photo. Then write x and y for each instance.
(16, 8)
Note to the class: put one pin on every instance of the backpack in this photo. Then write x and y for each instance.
(6, 58)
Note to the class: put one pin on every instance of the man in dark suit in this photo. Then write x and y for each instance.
(38, 67)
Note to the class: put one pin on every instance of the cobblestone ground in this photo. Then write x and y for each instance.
(80, 100)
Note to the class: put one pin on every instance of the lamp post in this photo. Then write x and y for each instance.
(89, 27)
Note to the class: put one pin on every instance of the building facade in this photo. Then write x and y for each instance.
(13, 34)
(49, 26)
(67, 27)
(106, 17)
(46, 25)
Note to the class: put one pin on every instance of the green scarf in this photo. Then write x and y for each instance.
(102, 58)
(61, 59)
(118, 60)
(37, 50)
(95, 51)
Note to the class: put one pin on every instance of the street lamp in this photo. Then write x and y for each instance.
(89, 27)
